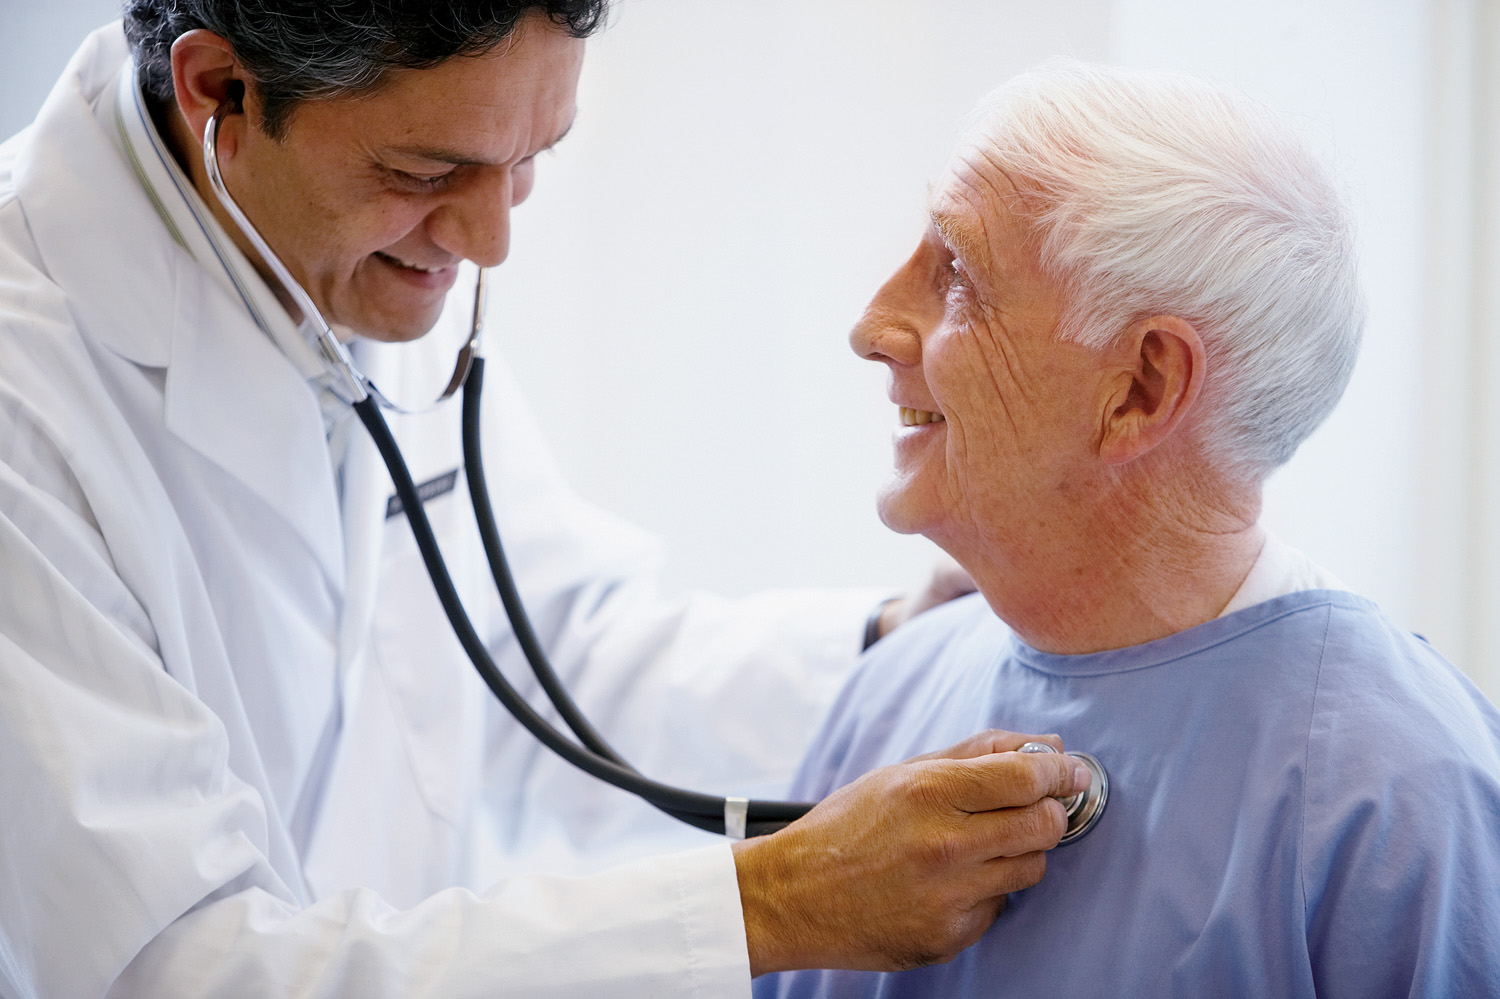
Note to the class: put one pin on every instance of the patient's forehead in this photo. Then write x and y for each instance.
(974, 208)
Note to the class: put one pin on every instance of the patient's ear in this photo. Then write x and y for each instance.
(1162, 371)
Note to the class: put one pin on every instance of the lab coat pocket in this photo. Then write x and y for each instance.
(437, 699)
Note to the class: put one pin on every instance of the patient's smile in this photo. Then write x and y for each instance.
(919, 417)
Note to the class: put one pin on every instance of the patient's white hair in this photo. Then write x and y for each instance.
(1157, 193)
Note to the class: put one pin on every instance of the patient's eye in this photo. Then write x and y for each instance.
(958, 280)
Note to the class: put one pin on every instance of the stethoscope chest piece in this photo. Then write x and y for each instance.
(1085, 808)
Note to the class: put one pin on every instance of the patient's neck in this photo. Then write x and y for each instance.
(1138, 559)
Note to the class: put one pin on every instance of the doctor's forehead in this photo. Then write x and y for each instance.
(458, 156)
(496, 107)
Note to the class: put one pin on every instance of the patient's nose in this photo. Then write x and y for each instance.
(890, 331)
(882, 335)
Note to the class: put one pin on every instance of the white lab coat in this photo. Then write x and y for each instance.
(240, 752)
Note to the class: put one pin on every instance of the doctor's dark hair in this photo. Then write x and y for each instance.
(300, 50)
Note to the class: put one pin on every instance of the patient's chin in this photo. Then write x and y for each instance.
(900, 511)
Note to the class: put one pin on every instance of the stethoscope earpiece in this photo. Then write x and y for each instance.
(234, 98)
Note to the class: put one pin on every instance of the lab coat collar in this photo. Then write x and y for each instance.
(194, 228)
(136, 287)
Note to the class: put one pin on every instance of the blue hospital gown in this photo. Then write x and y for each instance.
(1304, 800)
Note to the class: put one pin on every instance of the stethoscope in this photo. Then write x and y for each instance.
(735, 817)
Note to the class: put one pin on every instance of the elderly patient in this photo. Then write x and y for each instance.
(1135, 298)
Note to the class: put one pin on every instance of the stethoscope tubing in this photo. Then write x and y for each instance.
(595, 756)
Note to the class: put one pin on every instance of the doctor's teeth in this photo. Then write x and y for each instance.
(409, 266)
(919, 417)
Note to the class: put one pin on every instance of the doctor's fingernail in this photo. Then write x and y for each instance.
(1082, 776)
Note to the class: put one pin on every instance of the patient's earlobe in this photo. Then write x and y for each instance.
(1161, 377)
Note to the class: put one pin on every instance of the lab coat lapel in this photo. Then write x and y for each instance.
(366, 482)
(230, 393)
(235, 398)
(430, 443)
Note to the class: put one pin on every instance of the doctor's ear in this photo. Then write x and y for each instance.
(1162, 371)
(205, 75)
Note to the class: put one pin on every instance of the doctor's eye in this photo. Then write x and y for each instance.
(421, 183)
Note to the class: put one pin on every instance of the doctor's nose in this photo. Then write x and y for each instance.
(474, 223)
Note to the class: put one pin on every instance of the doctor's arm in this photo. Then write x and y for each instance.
(146, 866)
(947, 581)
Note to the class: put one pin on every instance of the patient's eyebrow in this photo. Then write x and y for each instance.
(960, 233)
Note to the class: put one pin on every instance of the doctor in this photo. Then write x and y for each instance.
(240, 752)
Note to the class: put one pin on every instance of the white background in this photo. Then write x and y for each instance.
(743, 176)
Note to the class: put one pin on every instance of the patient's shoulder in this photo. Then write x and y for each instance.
(1381, 684)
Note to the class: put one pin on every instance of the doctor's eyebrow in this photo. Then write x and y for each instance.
(441, 154)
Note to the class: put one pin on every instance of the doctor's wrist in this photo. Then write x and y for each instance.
(882, 620)
(770, 944)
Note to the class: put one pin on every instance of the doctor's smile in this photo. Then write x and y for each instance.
(405, 265)
(434, 279)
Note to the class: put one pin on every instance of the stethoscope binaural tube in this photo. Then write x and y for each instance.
(344, 378)
(595, 757)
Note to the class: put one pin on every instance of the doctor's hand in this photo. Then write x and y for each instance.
(909, 864)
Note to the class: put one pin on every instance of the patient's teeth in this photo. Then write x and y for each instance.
(918, 417)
